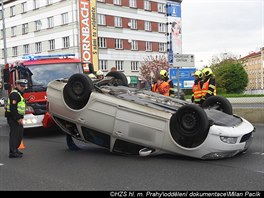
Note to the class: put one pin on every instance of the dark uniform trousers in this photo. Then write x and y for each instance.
(16, 135)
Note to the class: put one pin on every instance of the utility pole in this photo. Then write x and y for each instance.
(4, 32)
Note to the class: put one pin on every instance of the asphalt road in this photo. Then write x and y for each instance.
(48, 165)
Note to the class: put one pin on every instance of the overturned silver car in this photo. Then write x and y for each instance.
(132, 121)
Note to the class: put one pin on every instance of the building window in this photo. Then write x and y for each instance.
(66, 42)
(25, 28)
(134, 45)
(49, 2)
(14, 49)
(133, 3)
(12, 11)
(24, 7)
(26, 49)
(38, 47)
(38, 25)
(101, 42)
(101, 19)
(117, 2)
(147, 5)
(118, 22)
(52, 44)
(162, 27)
(35, 4)
(134, 65)
(119, 44)
(103, 65)
(64, 17)
(133, 24)
(1, 15)
(147, 25)
(13, 31)
(50, 22)
(162, 7)
(119, 65)
(148, 46)
(162, 47)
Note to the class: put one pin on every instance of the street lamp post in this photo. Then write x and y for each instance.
(4, 33)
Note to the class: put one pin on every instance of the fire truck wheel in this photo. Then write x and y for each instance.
(119, 78)
(77, 91)
(189, 126)
(219, 103)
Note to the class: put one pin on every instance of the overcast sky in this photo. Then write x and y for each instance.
(213, 27)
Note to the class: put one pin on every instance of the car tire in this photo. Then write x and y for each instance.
(77, 91)
(219, 103)
(189, 126)
(120, 78)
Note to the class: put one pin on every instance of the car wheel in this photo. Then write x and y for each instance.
(120, 78)
(77, 91)
(219, 103)
(189, 126)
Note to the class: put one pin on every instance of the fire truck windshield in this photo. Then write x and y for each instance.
(43, 74)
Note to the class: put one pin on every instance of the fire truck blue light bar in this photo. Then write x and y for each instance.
(34, 57)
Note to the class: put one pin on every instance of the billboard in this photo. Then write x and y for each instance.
(88, 34)
(174, 28)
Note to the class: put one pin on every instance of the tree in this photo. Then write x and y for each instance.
(230, 75)
(150, 68)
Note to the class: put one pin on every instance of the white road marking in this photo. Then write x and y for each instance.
(1, 164)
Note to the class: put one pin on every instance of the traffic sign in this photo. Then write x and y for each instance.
(186, 77)
(183, 60)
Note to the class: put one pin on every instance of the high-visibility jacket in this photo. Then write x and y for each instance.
(163, 88)
(209, 88)
(197, 92)
(21, 105)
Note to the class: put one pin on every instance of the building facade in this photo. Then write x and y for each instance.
(127, 30)
(253, 64)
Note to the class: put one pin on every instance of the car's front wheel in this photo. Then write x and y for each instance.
(189, 126)
(77, 91)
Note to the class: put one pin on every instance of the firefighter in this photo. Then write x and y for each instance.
(161, 86)
(164, 74)
(208, 88)
(197, 87)
(15, 111)
(99, 74)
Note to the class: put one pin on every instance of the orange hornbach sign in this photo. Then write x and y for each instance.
(88, 34)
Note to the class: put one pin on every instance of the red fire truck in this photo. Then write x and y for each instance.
(39, 71)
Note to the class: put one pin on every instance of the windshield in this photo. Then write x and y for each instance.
(43, 74)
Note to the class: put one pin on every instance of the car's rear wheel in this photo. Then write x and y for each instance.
(189, 126)
(219, 103)
(119, 78)
(77, 91)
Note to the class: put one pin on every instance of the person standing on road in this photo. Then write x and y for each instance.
(208, 88)
(197, 87)
(15, 111)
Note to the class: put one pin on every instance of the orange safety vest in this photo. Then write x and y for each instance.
(164, 88)
(205, 89)
(197, 92)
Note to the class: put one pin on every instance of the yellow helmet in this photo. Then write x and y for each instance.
(163, 73)
(99, 73)
(207, 72)
(199, 74)
(92, 76)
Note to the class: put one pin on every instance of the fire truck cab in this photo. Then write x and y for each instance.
(39, 71)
